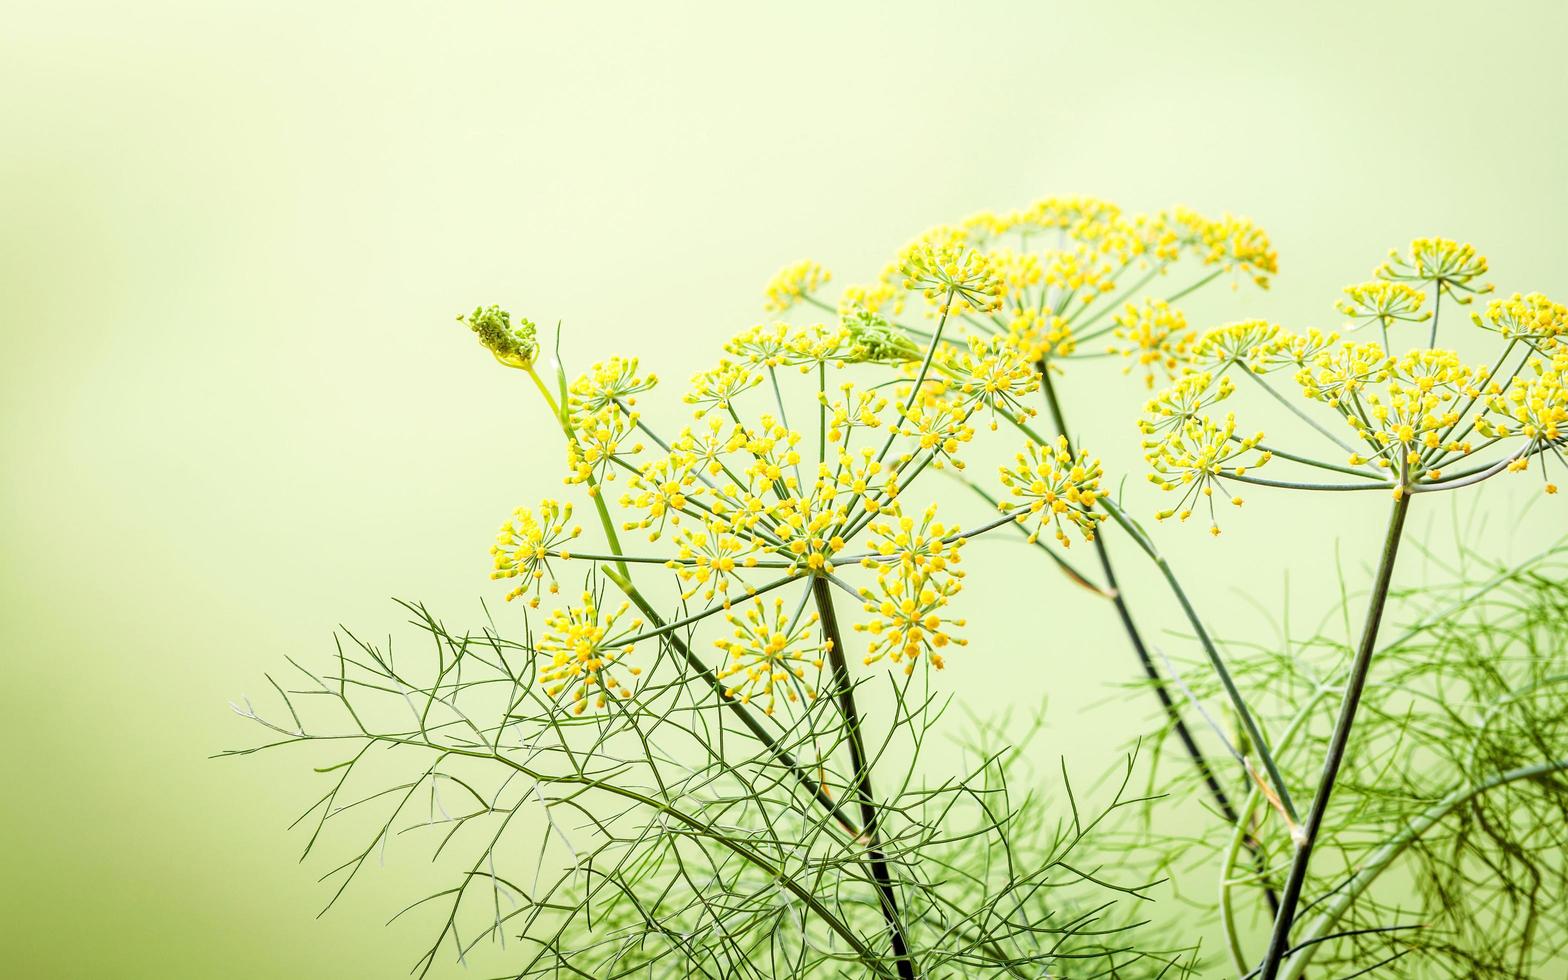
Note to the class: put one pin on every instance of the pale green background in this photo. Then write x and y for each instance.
(236, 411)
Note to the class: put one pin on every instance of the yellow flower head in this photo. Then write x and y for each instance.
(908, 620)
(992, 374)
(769, 654)
(792, 283)
(1297, 349)
(718, 387)
(954, 278)
(781, 345)
(583, 649)
(1533, 317)
(598, 439)
(1183, 401)
(1041, 336)
(1250, 343)
(926, 544)
(662, 489)
(1383, 302)
(711, 559)
(607, 383)
(1194, 457)
(1534, 408)
(1081, 272)
(1053, 485)
(1452, 267)
(1152, 336)
(526, 544)
(937, 423)
(1230, 242)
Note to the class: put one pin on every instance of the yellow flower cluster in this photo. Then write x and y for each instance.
(583, 648)
(1535, 408)
(1195, 456)
(793, 283)
(768, 654)
(1405, 409)
(526, 543)
(1230, 242)
(954, 278)
(781, 345)
(717, 387)
(608, 382)
(1449, 265)
(994, 375)
(917, 576)
(1251, 343)
(1056, 486)
(596, 443)
(1383, 302)
(1041, 336)
(1183, 401)
(1152, 336)
(1527, 318)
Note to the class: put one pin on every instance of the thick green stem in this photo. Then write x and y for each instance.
(862, 778)
(1279, 942)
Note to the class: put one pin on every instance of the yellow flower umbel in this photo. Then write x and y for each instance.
(598, 441)
(926, 544)
(1383, 302)
(907, 615)
(1152, 336)
(710, 560)
(769, 654)
(718, 387)
(1249, 343)
(583, 648)
(1534, 408)
(1532, 318)
(1041, 336)
(1183, 401)
(1194, 457)
(609, 382)
(954, 278)
(526, 544)
(793, 283)
(1230, 242)
(1451, 267)
(1053, 485)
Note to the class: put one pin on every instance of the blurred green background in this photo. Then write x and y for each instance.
(236, 412)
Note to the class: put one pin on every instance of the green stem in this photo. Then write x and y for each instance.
(1293, 409)
(561, 416)
(1279, 942)
(862, 777)
(1172, 712)
(756, 728)
(1227, 915)
(1210, 651)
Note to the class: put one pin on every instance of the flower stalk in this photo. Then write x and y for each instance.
(1279, 941)
(861, 775)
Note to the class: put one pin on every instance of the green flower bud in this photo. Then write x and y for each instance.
(873, 339)
(513, 346)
